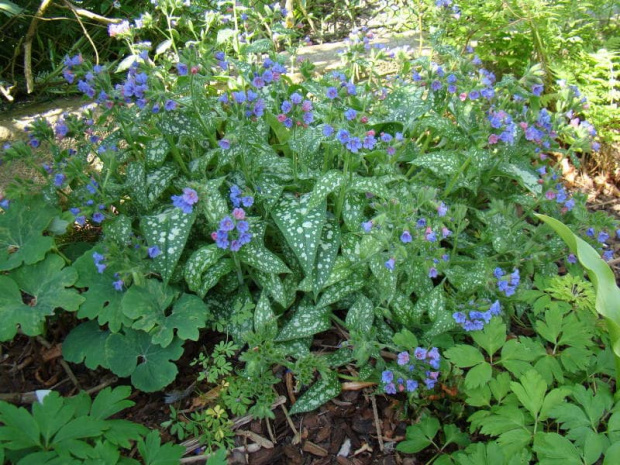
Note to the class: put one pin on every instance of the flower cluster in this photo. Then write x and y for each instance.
(186, 201)
(98, 259)
(422, 364)
(253, 105)
(602, 237)
(475, 320)
(296, 105)
(234, 229)
(507, 283)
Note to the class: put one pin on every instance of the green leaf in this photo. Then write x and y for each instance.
(478, 376)
(21, 233)
(464, 356)
(525, 177)
(154, 453)
(10, 9)
(148, 364)
(530, 391)
(325, 389)
(18, 429)
(79, 428)
(361, 315)
(326, 184)
(353, 210)
(371, 185)
(273, 284)
(307, 320)
(405, 311)
(157, 181)
(212, 204)
(385, 280)
(169, 231)
(612, 454)
(102, 302)
(45, 283)
(86, 343)
(553, 449)
(301, 227)
(607, 292)
(119, 230)
(418, 437)
(110, 401)
(492, 337)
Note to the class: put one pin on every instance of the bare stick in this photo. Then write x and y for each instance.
(373, 401)
(28, 45)
(64, 364)
(77, 16)
(91, 15)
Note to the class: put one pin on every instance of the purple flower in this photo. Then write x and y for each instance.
(238, 213)
(590, 232)
(185, 201)
(224, 143)
(537, 89)
(343, 136)
(101, 267)
(354, 144)
(390, 264)
(328, 130)
(498, 272)
(390, 388)
(420, 353)
(459, 317)
(403, 358)
(98, 217)
(495, 309)
(432, 273)
(296, 98)
(405, 237)
(367, 226)
(421, 223)
(608, 255)
(436, 85)
(118, 285)
(571, 258)
(154, 251)
(369, 142)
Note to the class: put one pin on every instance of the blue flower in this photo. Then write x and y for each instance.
(571, 259)
(243, 226)
(98, 217)
(154, 251)
(403, 358)
(227, 224)
(390, 388)
(286, 107)
(247, 201)
(170, 105)
(412, 385)
(118, 285)
(537, 89)
(442, 209)
(608, 255)
(296, 98)
(389, 264)
(387, 376)
(332, 93)
(602, 237)
(459, 317)
(367, 226)
(182, 69)
(432, 273)
(328, 131)
(405, 237)
(436, 85)
(354, 144)
(59, 179)
(342, 135)
(420, 353)
(350, 114)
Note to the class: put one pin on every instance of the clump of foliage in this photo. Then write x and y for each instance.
(221, 196)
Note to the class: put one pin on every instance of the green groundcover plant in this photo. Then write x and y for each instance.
(203, 191)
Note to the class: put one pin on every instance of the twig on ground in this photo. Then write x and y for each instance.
(250, 448)
(64, 364)
(373, 401)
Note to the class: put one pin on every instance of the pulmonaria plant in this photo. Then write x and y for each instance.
(234, 229)
(413, 369)
(475, 320)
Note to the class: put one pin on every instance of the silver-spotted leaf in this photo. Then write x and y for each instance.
(156, 151)
(369, 185)
(169, 231)
(326, 184)
(361, 315)
(258, 256)
(272, 283)
(199, 263)
(265, 321)
(119, 230)
(307, 320)
(157, 181)
(301, 227)
(177, 124)
(353, 210)
(324, 390)
(212, 203)
(326, 255)
(341, 289)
